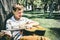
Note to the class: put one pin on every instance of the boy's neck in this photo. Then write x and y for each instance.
(16, 18)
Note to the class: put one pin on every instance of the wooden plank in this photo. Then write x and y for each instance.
(34, 37)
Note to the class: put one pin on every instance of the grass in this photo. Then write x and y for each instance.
(49, 23)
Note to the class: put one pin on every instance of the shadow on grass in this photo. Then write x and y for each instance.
(56, 30)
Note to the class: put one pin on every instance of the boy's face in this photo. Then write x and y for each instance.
(19, 11)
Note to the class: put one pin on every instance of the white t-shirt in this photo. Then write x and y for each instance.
(13, 24)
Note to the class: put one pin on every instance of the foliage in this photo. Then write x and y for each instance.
(37, 2)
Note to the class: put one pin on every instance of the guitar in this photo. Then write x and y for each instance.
(38, 30)
(30, 31)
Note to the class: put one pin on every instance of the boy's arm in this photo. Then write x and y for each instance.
(8, 26)
(32, 23)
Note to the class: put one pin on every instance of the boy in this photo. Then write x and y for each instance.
(17, 21)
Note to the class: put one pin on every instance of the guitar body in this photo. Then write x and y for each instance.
(34, 30)
(34, 33)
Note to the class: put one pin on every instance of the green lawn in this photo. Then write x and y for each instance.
(50, 23)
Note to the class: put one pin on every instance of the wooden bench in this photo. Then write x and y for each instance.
(35, 37)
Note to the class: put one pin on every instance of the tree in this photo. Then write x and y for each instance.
(5, 9)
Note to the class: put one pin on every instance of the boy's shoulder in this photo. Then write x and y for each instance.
(9, 20)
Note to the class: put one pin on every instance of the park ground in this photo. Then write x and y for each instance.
(52, 24)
